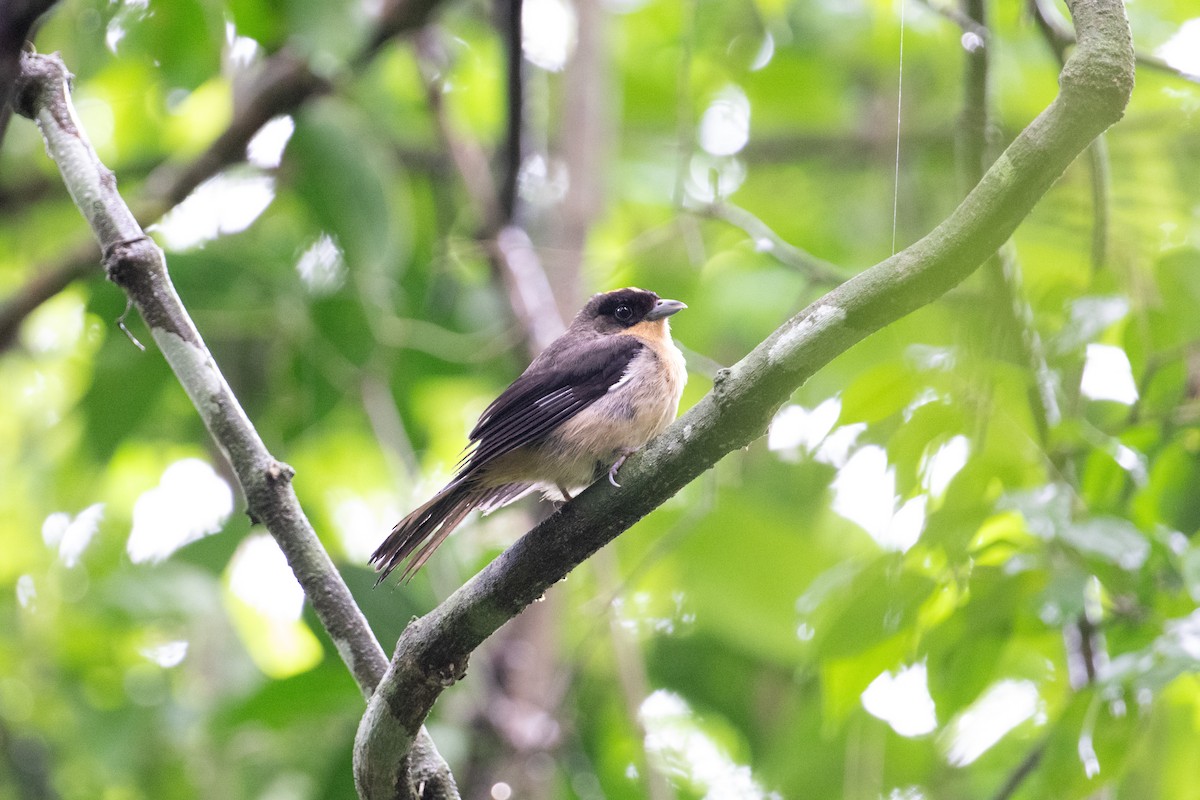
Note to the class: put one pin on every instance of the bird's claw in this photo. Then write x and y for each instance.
(612, 471)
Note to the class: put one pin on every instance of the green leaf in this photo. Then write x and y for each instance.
(879, 393)
(1111, 539)
(336, 169)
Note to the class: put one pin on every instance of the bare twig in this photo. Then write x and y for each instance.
(685, 135)
(513, 151)
(138, 266)
(1059, 37)
(962, 20)
(1101, 191)
(1023, 771)
(974, 141)
(631, 671)
(1058, 32)
(766, 240)
(509, 249)
(46, 283)
(583, 139)
(433, 651)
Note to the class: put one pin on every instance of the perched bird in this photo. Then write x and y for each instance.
(597, 393)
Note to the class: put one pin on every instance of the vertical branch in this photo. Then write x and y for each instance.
(1101, 190)
(973, 140)
(514, 261)
(583, 136)
(1002, 271)
(510, 25)
(685, 130)
(631, 671)
(1059, 37)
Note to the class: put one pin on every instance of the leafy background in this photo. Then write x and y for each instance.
(913, 588)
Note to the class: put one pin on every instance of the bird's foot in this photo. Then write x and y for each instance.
(612, 471)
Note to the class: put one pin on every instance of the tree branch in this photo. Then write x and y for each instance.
(433, 651)
(1059, 37)
(513, 151)
(509, 249)
(1014, 314)
(766, 240)
(138, 266)
(17, 21)
(967, 22)
(1058, 32)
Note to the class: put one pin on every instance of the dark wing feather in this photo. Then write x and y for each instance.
(548, 394)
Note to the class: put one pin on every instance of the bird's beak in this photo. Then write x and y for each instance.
(665, 308)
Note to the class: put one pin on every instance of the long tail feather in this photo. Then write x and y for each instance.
(425, 528)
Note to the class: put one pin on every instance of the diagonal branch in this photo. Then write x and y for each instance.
(816, 269)
(138, 266)
(433, 651)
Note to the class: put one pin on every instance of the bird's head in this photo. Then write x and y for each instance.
(621, 310)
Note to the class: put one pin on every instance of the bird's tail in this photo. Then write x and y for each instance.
(416, 536)
(420, 533)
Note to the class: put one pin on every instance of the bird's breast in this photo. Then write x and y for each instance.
(636, 409)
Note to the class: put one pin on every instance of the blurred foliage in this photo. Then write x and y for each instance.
(1027, 592)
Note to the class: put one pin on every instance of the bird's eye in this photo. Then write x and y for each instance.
(623, 313)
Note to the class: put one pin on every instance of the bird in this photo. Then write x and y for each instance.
(610, 383)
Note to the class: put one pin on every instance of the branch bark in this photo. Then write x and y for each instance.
(138, 266)
(18, 19)
(432, 653)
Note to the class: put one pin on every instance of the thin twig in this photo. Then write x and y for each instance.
(513, 258)
(1013, 314)
(513, 151)
(1023, 771)
(1101, 191)
(46, 283)
(685, 135)
(1060, 35)
(631, 672)
(963, 21)
(766, 240)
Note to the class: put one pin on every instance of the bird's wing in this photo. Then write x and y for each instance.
(548, 395)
